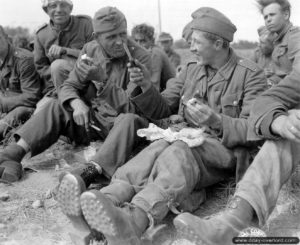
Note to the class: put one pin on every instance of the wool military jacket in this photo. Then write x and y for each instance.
(78, 32)
(230, 92)
(20, 83)
(113, 96)
(285, 95)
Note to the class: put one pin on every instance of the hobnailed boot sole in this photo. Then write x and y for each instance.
(68, 197)
(96, 212)
(187, 232)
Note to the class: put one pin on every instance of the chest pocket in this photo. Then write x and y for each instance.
(232, 104)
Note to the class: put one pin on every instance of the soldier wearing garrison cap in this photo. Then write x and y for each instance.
(19, 83)
(215, 93)
(274, 116)
(58, 44)
(97, 97)
(165, 41)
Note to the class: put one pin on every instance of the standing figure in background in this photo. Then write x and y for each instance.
(165, 41)
(162, 69)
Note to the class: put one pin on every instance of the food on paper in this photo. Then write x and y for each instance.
(192, 136)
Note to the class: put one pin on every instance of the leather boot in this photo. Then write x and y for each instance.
(10, 163)
(119, 225)
(88, 172)
(220, 229)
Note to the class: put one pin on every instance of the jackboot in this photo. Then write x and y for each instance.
(88, 172)
(123, 225)
(220, 229)
(10, 163)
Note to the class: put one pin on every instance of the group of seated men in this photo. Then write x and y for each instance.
(112, 92)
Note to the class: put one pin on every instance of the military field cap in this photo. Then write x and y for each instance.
(187, 31)
(108, 19)
(211, 20)
(164, 37)
(45, 3)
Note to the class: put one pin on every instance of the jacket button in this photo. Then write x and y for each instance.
(235, 103)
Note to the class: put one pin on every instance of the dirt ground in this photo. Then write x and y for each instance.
(31, 216)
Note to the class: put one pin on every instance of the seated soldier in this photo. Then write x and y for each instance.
(165, 41)
(162, 69)
(57, 45)
(20, 85)
(275, 116)
(217, 94)
(93, 97)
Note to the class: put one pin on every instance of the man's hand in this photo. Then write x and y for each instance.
(88, 70)
(55, 51)
(199, 114)
(139, 75)
(288, 127)
(81, 113)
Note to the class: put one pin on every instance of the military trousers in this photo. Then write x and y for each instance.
(162, 175)
(270, 169)
(14, 118)
(45, 127)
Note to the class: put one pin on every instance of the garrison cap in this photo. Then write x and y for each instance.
(108, 19)
(187, 31)
(211, 20)
(164, 37)
(45, 3)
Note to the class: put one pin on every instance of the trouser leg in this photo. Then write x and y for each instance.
(44, 128)
(131, 177)
(270, 169)
(14, 118)
(60, 70)
(179, 170)
(120, 142)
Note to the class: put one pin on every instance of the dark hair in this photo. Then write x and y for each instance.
(145, 30)
(284, 4)
(213, 37)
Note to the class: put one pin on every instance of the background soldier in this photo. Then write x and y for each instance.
(20, 85)
(165, 41)
(162, 70)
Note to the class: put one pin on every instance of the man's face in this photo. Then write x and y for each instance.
(275, 18)
(203, 49)
(165, 45)
(3, 48)
(112, 42)
(142, 40)
(59, 12)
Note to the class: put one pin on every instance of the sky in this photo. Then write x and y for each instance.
(174, 13)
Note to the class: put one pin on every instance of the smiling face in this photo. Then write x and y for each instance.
(59, 12)
(112, 41)
(203, 49)
(275, 18)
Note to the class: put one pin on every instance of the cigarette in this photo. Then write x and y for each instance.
(95, 127)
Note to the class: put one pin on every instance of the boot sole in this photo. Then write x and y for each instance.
(186, 232)
(95, 214)
(68, 197)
